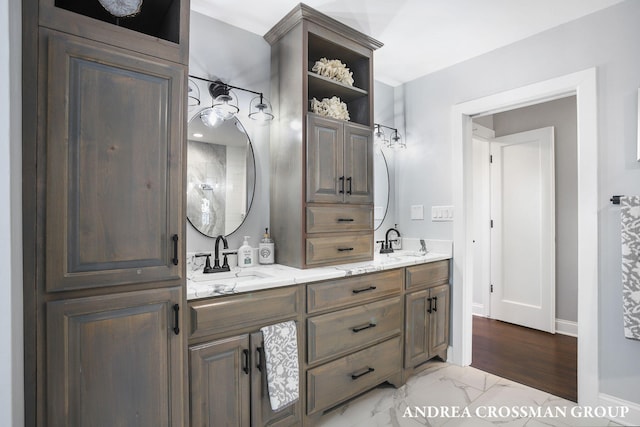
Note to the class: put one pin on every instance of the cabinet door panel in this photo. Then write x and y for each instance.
(358, 164)
(261, 413)
(439, 328)
(219, 386)
(115, 360)
(416, 328)
(114, 180)
(325, 145)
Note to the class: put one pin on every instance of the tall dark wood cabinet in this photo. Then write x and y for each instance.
(104, 162)
(321, 165)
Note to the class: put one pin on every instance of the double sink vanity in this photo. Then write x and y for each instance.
(358, 325)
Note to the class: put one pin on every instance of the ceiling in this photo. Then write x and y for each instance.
(419, 36)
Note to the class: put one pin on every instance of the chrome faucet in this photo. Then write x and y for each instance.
(387, 245)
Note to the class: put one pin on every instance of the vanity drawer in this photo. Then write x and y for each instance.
(334, 382)
(227, 313)
(339, 249)
(428, 275)
(353, 290)
(323, 219)
(338, 332)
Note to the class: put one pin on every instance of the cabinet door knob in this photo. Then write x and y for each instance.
(259, 353)
(175, 249)
(245, 361)
(176, 319)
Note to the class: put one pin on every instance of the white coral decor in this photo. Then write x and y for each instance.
(122, 8)
(333, 69)
(331, 108)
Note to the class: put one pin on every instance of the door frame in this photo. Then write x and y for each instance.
(583, 84)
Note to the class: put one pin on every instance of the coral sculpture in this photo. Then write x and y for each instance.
(122, 8)
(331, 108)
(333, 69)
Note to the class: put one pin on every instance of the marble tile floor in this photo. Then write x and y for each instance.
(474, 394)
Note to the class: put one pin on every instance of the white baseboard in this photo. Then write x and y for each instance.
(567, 327)
(478, 310)
(632, 418)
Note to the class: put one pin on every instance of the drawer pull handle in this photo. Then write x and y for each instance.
(362, 328)
(435, 303)
(345, 220)
(245, 361)
(430, 309)
(370, 288)
(367, 371)
(344, 249)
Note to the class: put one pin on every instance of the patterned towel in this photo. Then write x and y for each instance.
(630, 217)
(281, 356)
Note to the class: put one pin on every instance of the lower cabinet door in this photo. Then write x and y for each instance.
(115, 360)
(220, 383)
(416, 328)
(439, 328)
(261, 412)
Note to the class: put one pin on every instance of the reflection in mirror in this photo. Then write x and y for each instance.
(221, 176)
(381, 187)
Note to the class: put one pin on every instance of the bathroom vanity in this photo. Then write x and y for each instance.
(359, 325)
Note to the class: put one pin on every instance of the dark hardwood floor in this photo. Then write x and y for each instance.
(538, 359)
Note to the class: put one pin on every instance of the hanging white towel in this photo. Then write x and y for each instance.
(281, 358)
(630, 217)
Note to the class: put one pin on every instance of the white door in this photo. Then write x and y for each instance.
(523, 229)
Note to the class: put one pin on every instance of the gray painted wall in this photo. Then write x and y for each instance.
(606, 40)
(562, 115)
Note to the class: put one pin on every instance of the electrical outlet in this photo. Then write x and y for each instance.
(417, 212)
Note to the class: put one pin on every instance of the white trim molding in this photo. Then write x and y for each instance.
(567, 327)
(632, 418)
(583, 84)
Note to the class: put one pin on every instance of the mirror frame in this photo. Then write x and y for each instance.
(386, 207)
(255, 174)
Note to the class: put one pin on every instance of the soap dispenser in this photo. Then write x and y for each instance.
(245, 254)
(266, 249)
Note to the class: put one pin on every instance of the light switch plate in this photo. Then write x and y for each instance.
(417, 212)
(442, 213)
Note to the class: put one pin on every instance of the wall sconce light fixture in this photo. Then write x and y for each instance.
(395, 140)
(225, 104)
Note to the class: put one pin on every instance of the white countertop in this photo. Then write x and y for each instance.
(261, 277)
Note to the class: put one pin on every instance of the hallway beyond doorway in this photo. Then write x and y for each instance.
(538, 359)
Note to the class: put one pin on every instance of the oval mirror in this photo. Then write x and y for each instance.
(221, 176)
(381, 187)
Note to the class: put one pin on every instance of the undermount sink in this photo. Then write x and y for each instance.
(236, 276)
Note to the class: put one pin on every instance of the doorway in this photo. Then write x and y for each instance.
(583, 85)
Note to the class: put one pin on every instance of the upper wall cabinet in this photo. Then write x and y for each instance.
(321, 146)
(156, 27)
